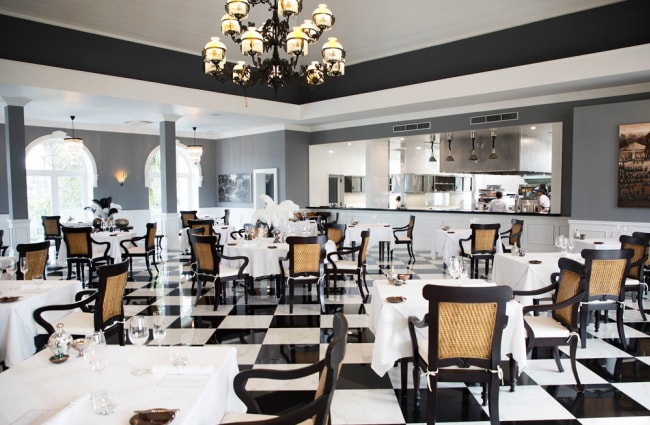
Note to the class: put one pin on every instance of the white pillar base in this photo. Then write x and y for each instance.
(18, 232)
(171, 227)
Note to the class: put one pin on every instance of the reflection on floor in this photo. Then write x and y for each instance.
(266, 335)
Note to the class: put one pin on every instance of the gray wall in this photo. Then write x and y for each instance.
(595, 167)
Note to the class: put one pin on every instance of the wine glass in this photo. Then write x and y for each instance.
(462, 268)
(11, 268)
(138, 335)
(94, 351)
(454, 270)
(24, 266)
(159, 329)
(558, 242)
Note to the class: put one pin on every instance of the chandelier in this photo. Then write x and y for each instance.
(73, 144)
(195, 151)
(275, 34)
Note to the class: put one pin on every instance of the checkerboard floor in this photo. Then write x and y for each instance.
(266, 335)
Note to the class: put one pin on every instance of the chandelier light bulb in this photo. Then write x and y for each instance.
(229, 25)
(288, 8)
(238, 9)
(323, 17)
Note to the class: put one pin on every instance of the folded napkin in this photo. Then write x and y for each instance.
(62, 417)
(182, 370)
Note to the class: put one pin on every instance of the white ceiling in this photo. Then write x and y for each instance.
(368, 29)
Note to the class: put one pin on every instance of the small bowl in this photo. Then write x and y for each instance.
(403, 277)
(78, 345)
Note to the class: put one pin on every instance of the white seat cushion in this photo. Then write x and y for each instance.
(137, 250)
(546, 327)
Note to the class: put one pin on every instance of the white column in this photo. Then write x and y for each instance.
(171, 227)
(18, 232)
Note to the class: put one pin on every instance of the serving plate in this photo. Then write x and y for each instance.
(9, 299)
(396, 299)
(153, 417)
(535, 262)
(598, 243)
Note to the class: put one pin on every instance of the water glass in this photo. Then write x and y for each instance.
(454, 268)
(159, 329)
(104, 403)
(138, 335)
(181, 355)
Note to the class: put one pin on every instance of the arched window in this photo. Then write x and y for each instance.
(188, 181)
(57, 183)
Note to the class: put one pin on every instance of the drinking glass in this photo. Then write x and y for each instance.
(454, 270)
(558, 242)
(24, 266)
(159, 329)
(462, 268)
(138, 335)
(11, 269)
(95, 351)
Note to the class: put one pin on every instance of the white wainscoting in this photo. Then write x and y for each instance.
(607, 229)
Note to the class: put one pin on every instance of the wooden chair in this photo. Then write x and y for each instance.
(336, 233)
(209, 267)
(483, 246)
(336, 264)
(36, 254)
(207, 225)
(605, 272)
(463, 341)
(562, 327)
(100, 310)
(131, 248)
(635, 279)
(52, 230)
(306, 263)
(317, 411)
(186, 216)
(646, 267)
(3, 247)
(513, 235)
(405, 239)
(80, 245)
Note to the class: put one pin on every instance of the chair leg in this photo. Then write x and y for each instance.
(620, 325)
(403, 363)
(493, 399)
(584, 322)
(556, 356)
(146, 260)
(573, 348)
(290, 296)
(640, 302)
(199, 289)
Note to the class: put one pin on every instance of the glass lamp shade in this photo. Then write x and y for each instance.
(215, 50)
(241, 73)
(252, 42)
(238, 9)
(195, 152)
(493, 155)
(323, 17)
(333, 51)
(74, 145)
(297, 42)
(449, 158)
(229, 25)
(473, 156)
(288, 8)
(315, 74)
(310, 30)
(211, 68)
(337, 69)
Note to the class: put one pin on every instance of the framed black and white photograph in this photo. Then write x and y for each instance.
(634, 165)
(235, 188)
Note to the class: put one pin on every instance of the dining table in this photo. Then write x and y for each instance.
(529, 272)
(224, 232)
(595, 243)
(18, 300)
(6, 260)
(446, 243)
(44, 392)
(392, 305)
(263, 255)
(380, 234)
(115, 250)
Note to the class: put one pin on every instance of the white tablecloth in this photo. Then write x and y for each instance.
(17, 326)
(224, 231)
(114, 251)
(518, 273)
(389, 322)
(445, 243)
(263, 261)
(4, 262)
(591, 243)
(37, 384)
(378, 233)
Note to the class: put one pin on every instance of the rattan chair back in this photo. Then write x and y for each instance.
(306, 255)
(109, 306)
(51, 226)
(639, 247)
(570, 282)
(186, 216)
(605, 272)
(78, 241)
(206, 225)
(484, 238)
(336, 233)
(36, 254)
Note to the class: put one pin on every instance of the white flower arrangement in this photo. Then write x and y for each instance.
(275, 215)
(104, 208)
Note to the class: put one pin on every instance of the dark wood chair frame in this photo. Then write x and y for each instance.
(408, 240)
(37, 255)
(3, 248)
(513, 235)
(596, 300)
(637, 272)
(333, 270)
(52, 230)
(442, 369)
(296, 272)
(149, 239)
(478, 251)
(82, 255)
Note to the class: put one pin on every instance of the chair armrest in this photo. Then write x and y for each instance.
(38, 313)
(460, 244)
(342, 252)
(243, 258)
(107, 244)
(538, 291)
(554, 306)
(242, 378)
(132, 241)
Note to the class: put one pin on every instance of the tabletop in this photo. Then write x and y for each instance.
(446, 243)
(595, 243)
(41, 389)
(379, 232)
(17, 326)
(389, 321)
(532, 271)
(114, 251)
(262, 253)
(223, 230)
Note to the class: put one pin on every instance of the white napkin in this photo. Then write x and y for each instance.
(182, 370)
(63, 416)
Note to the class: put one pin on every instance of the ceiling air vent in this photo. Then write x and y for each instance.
(400, 128)
(482, 119)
